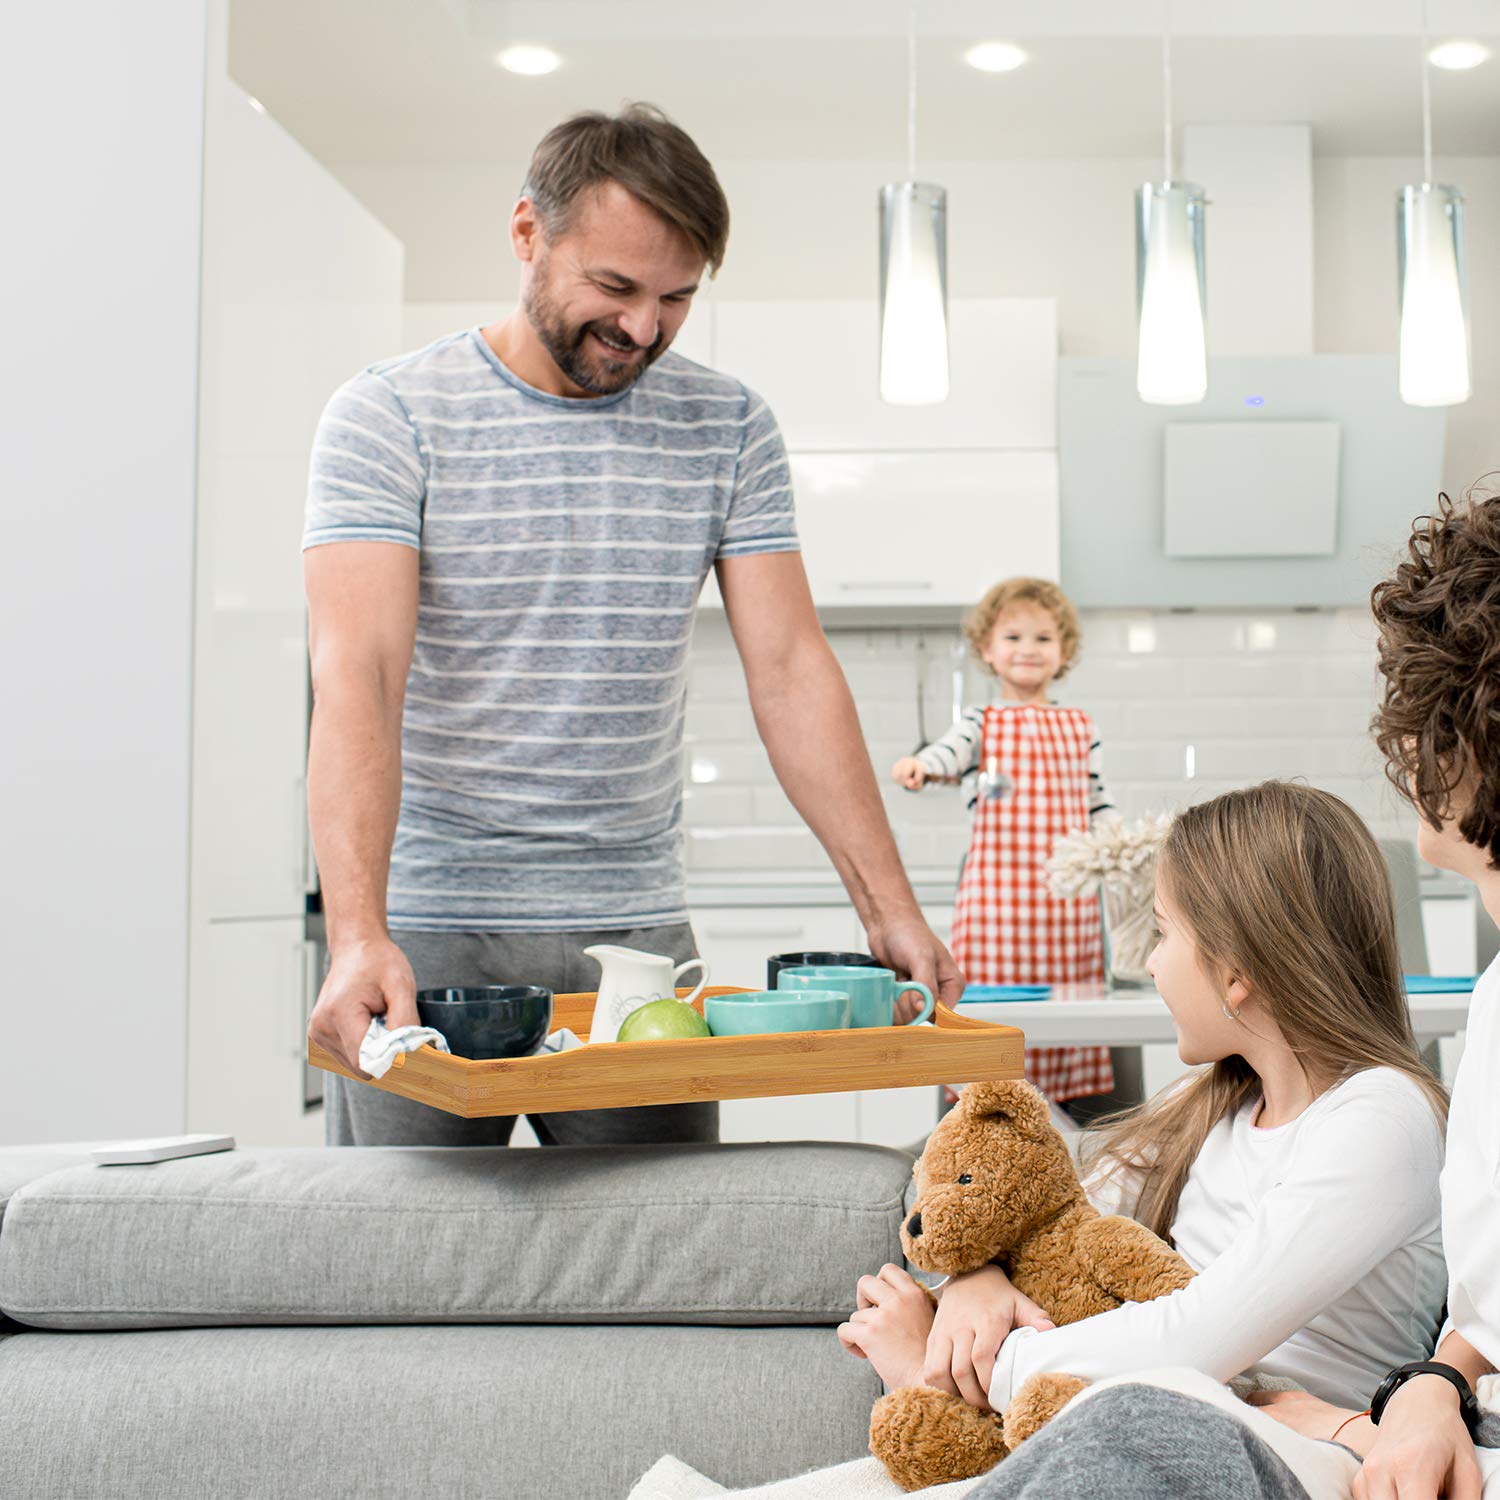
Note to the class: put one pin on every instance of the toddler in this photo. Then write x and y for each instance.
(1038, 778)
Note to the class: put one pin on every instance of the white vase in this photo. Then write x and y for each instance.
(1129, 927)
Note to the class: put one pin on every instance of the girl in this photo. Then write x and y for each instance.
(1297, 1172)
(1039, 778)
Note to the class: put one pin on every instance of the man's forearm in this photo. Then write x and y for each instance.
(354, 799)
(808, 723)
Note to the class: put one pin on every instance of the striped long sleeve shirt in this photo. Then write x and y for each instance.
(957, 754)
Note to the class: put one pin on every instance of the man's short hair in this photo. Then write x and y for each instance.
(1438, 725)
(650, 157)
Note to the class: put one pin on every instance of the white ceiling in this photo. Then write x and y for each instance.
(413, 82)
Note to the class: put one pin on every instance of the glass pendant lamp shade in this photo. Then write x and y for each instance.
(1171, 355)
(913, 293)
(1434, 364)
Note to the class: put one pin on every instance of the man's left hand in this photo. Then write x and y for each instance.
(910, 947)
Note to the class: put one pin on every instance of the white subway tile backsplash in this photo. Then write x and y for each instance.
(1254, 694)
(1347, 674)
(734, 805)
(1185, 718)
(1261, 674)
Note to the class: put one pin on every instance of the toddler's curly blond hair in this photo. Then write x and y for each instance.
(980, 622)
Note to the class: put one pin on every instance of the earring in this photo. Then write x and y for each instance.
(1229, 1014)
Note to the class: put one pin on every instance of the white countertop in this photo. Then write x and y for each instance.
(1097, 1015)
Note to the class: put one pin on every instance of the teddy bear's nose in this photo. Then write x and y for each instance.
(914, 1225)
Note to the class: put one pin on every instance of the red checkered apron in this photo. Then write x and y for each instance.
(1008, 927)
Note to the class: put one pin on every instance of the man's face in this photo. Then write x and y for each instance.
(607, 296)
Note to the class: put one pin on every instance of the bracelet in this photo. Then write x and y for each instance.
(1347, 1420)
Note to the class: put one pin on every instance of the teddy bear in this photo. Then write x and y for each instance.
(997, 1183)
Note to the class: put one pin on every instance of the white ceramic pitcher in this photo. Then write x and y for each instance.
(629, 979)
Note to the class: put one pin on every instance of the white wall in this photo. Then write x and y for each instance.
(1058, 228)
(102, 107)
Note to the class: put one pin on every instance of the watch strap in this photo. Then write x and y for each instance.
(1468, 1407)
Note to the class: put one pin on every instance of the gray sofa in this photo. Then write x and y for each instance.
(395, 1322)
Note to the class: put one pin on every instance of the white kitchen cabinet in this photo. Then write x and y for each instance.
(255, 985)
(897, 1117)
(737, 941)
(793, 1117)
(817, 365)
(251, 795)
(923, 528)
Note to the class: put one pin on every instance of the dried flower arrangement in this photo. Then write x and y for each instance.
(1118, 859)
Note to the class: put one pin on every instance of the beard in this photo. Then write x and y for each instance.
(583, 361)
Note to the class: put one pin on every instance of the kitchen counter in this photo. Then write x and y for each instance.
(1099, 1015)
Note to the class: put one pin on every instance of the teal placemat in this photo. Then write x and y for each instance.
(981, 994)
(1440, 984)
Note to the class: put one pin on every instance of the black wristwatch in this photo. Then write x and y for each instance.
(1468, 1407)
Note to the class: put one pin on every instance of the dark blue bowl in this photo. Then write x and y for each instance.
(490, 1020)
(779, 961)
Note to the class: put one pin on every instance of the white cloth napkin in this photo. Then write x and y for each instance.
(382, 1046)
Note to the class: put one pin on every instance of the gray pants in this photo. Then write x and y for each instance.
(1137, 1442)
(357, 1115)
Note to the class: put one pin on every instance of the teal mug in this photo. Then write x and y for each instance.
(759, 1011)
(872, 992)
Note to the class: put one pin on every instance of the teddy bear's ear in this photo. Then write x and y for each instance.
(1016, 1101)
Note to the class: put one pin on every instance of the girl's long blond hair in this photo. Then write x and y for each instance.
(1283, 886)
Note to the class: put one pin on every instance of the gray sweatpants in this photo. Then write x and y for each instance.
(357, 1115)
(1138, 1442)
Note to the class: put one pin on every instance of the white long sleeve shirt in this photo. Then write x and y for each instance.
(1317, 1247)
(1471, 1177)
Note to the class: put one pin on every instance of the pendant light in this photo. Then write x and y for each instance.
(1171, 353)
(1434, 357)
(913, 272)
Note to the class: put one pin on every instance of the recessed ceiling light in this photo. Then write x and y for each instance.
(995, 57)
(1458, 55)
(530, 61)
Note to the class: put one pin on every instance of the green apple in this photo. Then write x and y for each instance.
(662, 1020)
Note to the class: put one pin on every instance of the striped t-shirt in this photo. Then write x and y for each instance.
(563, 546)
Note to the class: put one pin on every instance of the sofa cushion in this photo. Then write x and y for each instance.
(391, 1413)
(22, 1164)
(731, 1234)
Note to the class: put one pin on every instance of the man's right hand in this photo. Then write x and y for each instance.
(365, 979)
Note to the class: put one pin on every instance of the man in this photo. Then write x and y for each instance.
(507, 534)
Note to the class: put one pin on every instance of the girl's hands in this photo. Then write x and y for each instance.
(1314, 1418)
(890, 1324)
(1421, 1449)
(976, 1313)
(910, 773)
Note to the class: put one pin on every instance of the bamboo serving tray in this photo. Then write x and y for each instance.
(620, 1075)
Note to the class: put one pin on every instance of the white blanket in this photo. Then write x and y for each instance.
(1325, 1470)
